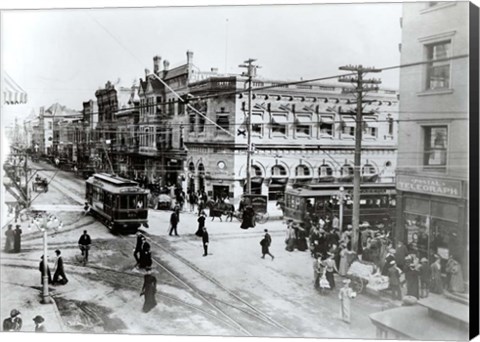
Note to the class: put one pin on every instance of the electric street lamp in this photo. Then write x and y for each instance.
(45, 222)
(340, 199)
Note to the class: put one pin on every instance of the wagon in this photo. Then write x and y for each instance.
(360, 272)
(40, 185)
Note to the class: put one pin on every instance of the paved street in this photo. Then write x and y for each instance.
(232, 291)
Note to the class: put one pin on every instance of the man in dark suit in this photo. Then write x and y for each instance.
(41, 269)
(59, 271)
(205, 241)
(173, 223)
(84, 243)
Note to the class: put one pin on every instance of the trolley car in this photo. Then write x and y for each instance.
(377, 202)
(121, 204)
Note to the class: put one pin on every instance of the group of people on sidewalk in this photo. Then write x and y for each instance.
(13, 239)
(15, 322)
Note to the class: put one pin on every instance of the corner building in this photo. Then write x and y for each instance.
(432, 173)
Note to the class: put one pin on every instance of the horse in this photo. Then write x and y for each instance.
(217, 209)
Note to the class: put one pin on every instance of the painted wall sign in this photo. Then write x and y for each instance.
(424, 185)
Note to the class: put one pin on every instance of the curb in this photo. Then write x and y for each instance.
(57, 313)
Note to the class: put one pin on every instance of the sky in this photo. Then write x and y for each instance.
(65, 55)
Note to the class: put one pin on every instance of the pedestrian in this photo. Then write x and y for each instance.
(330, 269)
(335, 222)
(14, 322)
(388, 259)
(84, 243)
(59, 270)
(290, 239)
(39, 327)
(192, 199)
(201, 223)
(86, 209)
(345, 295)
(265, 243)
(17, 239)
(436, 285)
(10, 234)
(301, 239)
(318, 272)
(145, 259)
(394, 280)
(42, 272)
(455, 277)
(177, 209)
(412, 279)
(138, 247)
(424, 272)
(344, 259)
(173, 223)
(248, 218)
(149, 290)
(205, 241)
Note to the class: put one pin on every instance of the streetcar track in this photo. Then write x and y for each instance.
(259, 313)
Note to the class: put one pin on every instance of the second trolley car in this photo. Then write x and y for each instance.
(377, 202)
(118, 202)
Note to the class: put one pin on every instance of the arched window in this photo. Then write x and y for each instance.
(325, 170)
(368, 169)
(256, 171)
(302, 170)
(191, 167)
(279, 170)
(346, 170)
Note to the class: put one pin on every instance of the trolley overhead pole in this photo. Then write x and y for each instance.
(251, 72)
(362, 86)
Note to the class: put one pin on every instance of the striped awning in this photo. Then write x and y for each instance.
(12, 92)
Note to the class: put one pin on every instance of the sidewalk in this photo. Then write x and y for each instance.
(23, 292)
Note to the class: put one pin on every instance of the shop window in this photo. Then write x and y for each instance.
(419, 206)
(346, 170)
(438, 73)
(435, 146)
(325, 170)
(302, 170)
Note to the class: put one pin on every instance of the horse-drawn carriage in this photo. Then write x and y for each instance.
(40, 184)
(257, 203)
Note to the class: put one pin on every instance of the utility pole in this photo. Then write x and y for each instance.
(251, 72)
(360, 90)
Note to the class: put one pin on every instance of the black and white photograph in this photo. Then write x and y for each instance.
(284, 170)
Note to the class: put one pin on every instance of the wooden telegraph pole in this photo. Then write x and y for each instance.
(362, 86)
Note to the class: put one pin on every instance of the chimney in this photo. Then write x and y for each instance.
(156, 64)
(166, 65)
(214, 70)
(147, 72)
(189, 57)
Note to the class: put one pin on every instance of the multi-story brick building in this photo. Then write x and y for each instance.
(432, 172)
(301, 133)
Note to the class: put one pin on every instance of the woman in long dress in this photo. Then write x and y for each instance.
(301, 240)
(456, 283)
(201, 224)
(436, 276)
(343, 267)
(330, 269)
(290, 239)
(10, 234)
(149, 290)
(345, 295)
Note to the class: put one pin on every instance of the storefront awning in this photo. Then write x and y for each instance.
(12, 92)
(348, 121)
(279, 119)
(327, 120)
(303, 120)
(371, 123)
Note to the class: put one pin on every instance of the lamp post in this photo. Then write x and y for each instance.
(45, 222)
(340, 200)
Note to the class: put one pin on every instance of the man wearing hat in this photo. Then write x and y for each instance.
(59, 271)
(39, 327)
(14, 322)
(265, 243)
(17, 238)
(138, 248)
(424, 271)
(388, 259)
(412, 278)
(41, 268)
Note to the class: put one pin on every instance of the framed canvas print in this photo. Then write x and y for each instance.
(300, 170)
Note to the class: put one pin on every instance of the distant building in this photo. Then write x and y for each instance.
(432, 171)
